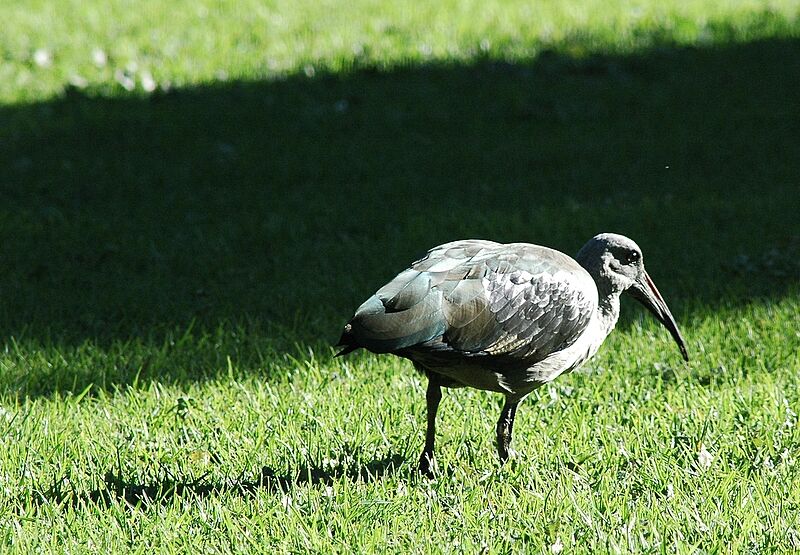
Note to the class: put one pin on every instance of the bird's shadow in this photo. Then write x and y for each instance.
(135, 493)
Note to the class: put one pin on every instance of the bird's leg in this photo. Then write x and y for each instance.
(504, 428)
(432, 398)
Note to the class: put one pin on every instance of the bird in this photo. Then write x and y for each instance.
(506, 318)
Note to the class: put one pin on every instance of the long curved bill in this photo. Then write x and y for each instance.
(646, 292)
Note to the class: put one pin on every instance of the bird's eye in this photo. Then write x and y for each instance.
(632, 257)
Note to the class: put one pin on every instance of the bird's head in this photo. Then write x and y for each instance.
(616, 264)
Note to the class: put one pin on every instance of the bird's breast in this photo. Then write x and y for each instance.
(561, 362)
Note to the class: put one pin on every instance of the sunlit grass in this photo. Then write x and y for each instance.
(112, 46)
(322, 455)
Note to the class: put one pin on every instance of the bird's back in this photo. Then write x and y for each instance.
(472, 301)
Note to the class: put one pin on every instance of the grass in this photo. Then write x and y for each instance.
(178, 257)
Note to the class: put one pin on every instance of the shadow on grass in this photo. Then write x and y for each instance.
(269, 210)
(117, 488)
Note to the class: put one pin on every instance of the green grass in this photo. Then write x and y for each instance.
(176, 263)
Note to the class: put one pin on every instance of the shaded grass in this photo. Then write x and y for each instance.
(257, 215)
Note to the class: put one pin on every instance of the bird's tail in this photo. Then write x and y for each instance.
(348, 341)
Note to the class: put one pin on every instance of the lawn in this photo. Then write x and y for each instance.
(196, 195)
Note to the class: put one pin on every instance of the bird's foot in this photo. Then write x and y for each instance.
(509, 463)
(505, 453)
(427, 465)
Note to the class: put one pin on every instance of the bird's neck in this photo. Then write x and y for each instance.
(608, 312)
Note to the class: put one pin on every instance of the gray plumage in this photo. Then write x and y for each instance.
(501, 317)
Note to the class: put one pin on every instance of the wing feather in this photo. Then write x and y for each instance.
(514, 303)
